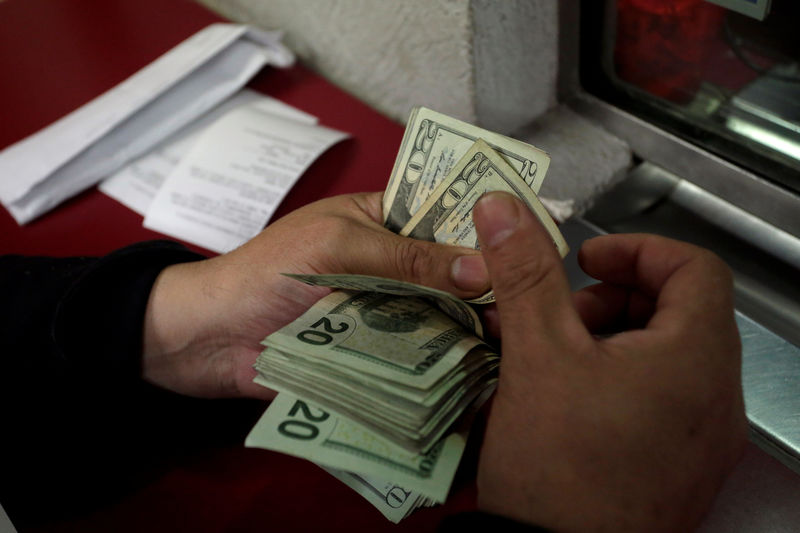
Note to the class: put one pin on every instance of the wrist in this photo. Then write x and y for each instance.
(173, 317)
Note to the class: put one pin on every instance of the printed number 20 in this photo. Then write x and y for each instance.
(320, 338)
(300, 429)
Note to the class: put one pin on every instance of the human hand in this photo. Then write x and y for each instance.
(629, 432)
(204, 320)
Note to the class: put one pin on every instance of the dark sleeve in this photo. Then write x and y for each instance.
(70, 313)
(70, 343)
(480, 521)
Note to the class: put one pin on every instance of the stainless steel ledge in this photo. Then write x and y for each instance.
(771, 381)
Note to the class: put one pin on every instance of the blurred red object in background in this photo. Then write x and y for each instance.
(662, 46)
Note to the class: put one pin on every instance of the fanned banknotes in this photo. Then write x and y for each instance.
(378, 381)
(433, 143)
(446, 216)
(454, 307)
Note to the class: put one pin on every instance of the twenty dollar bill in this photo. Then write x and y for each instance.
(299, 428)
(433, 143)
(446, 216)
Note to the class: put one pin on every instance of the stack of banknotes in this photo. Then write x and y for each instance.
(378, 381)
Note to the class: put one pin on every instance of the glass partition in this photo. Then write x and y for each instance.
(722, 79)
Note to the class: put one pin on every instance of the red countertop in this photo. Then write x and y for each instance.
(57, 55)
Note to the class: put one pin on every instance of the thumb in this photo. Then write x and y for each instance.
(372, 249)
(527, 275)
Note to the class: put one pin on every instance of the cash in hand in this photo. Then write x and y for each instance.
(378, 380)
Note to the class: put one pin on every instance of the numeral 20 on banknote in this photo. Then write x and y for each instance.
(321, 338)
(302, 429)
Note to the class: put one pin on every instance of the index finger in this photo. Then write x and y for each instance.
(677, 275)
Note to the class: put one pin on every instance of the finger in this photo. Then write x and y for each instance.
(601, 306)
(641, 260)
(607, 308)
(468, 275)
(491, 321)
(460, 271)
(371, 204)
(527, 274)
(665, 270)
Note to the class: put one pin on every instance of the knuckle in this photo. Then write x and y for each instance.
(335, 228)
(716, 264)
(368, 204)
(224, 375)
(716, 270)
(413, 260)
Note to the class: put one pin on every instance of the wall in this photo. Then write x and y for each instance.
(501, 64)
(483, 61)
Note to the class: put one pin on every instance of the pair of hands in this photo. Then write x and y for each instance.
(633, 431)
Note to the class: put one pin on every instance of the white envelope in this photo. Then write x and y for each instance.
(93, 141)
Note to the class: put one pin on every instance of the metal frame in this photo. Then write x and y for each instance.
(735, 185)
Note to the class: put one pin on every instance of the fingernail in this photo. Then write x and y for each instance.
(497, 215)
(469, 273)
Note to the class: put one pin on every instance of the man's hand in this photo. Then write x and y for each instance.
(629, 432)
(205, 320)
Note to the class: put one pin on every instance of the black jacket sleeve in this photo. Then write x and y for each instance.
(70, 343)
(61, 313)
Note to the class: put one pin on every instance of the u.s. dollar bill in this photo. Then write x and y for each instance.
(457, 309)
(400, 338)
(300, 428)
(433, 143)
(390, 499)
(446, 216)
